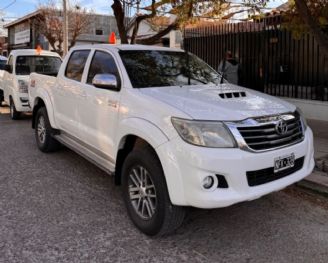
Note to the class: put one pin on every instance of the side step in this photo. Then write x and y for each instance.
(106, 164)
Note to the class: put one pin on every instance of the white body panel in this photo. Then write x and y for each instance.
(102, 118)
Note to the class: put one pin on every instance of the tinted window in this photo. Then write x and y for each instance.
(46, 65)
(102, 63)
(166, 68)
(75, 65)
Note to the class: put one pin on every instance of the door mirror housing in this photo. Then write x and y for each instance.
(106, 81)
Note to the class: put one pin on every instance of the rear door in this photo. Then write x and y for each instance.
(99, 108)
(68, 92)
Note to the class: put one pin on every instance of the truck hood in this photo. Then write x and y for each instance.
(223, 102)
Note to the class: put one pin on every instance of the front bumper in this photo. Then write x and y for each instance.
(21, 101)
(185, 166)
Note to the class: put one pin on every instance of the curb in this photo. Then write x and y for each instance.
(317, 182)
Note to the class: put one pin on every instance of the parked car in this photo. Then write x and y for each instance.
(172, 135)
(17, 72)
(3, 61)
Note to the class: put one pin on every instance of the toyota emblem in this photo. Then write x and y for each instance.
(281, 127)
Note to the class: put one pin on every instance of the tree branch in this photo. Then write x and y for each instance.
(153, 39)
(139, 19)
(305, 14)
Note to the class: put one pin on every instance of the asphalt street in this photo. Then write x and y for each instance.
(60, 208)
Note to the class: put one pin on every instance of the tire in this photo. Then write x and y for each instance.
(14, 114)
(159, 216)
(44, 133)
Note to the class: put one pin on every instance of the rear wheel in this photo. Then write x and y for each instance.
(44, 132)
(146, 195)
(14, 114)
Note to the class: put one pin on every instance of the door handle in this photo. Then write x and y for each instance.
(112, 103)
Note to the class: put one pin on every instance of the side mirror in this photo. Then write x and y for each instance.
(105, 81)
(8, 68)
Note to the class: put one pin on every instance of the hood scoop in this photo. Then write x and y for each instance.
(232, 95)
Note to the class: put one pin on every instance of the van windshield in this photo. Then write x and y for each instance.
(154, 68)
(46, 65)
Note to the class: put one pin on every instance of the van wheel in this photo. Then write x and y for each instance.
(43, 132)
(145, 194)
(14, 114)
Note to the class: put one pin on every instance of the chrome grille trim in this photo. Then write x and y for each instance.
(260, 135)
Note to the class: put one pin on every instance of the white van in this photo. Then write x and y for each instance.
(17, 73)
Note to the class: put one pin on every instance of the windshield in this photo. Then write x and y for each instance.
(152, 68)
(46, 65)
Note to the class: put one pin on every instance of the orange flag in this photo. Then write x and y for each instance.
(112, 38)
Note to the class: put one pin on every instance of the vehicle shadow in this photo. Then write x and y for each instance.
(5, 113)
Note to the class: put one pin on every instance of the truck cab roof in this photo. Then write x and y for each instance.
(32, 52)
(125, 47)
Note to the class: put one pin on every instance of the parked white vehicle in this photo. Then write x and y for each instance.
(17, 72)
(172, 135)
(3, 61)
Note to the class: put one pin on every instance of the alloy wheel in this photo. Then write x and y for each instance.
(41, 130)
(142, 192)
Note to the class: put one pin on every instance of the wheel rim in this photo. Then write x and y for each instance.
(41, 130)
(142, 192)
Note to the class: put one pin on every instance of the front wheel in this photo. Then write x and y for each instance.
(146, 196)
(14, 114)
(44, 132)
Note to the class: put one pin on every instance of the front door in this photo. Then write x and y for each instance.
(100, 107)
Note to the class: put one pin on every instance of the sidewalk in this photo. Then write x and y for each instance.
(318, 180)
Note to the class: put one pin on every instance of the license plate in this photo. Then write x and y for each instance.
(284, 162)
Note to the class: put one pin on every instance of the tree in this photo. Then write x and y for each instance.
(309, 16)
(184, 11)
(314, 14)
(50, 24)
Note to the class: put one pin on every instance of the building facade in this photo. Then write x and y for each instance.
(23, 32)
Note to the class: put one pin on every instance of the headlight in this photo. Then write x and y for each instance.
(22, 86)
(303, 120)
(204, 133)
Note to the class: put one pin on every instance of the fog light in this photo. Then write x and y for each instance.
(208, 182)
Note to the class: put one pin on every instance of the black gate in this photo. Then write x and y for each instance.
(271, 59)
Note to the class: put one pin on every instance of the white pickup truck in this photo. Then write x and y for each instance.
(172, 135)
(14, 82)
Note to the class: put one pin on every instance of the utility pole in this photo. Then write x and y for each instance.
(65, 29)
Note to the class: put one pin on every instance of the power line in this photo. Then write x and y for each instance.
(10, 4)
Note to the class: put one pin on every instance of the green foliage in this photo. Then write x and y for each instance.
(294, 22)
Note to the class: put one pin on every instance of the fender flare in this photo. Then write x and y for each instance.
(141, 128)
(44, 96)
(155, 137)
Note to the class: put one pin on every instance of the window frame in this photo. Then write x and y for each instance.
(85, 65)
(119, 76)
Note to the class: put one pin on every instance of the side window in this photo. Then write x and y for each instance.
(75, 64)
(102, 63)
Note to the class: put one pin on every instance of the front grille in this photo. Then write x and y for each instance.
(265, 137)
(267, 175)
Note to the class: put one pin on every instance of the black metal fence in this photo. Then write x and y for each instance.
(271, 59)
